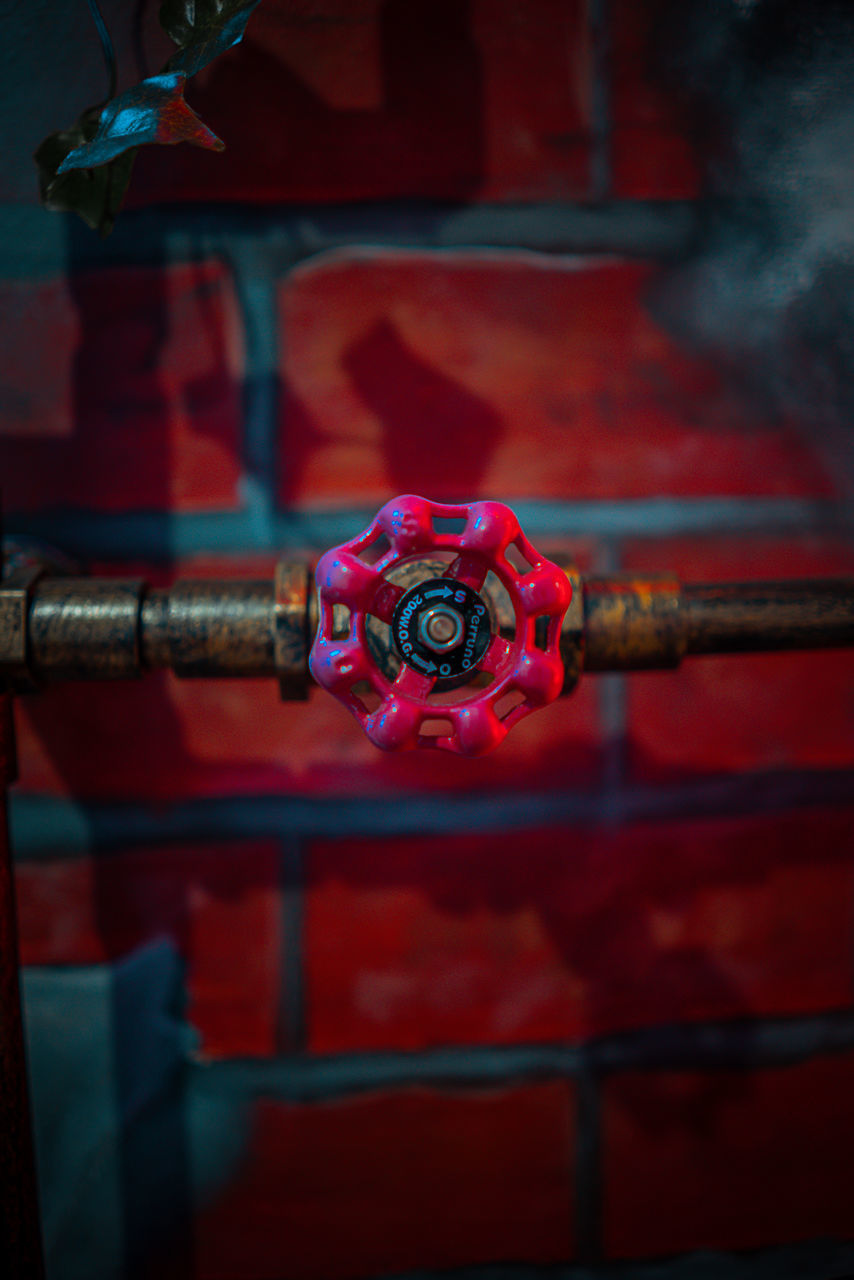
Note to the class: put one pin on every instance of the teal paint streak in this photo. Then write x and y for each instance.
(50, 827)
(33, 241)
(164, 536)
(69, 1037)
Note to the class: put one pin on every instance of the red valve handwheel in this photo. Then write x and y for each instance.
(441, 627)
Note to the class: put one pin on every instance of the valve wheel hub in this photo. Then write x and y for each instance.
(442, 629)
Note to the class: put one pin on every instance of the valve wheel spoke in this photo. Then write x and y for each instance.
(496, 655)
(385, 601)
(412, 683)
(468, 570)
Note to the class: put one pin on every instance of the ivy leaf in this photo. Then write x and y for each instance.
(86, 169)
(95, 194)
(152, 111)
(203, 29)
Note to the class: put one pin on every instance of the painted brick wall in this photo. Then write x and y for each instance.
(300, 1011)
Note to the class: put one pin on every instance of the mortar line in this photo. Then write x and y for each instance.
(814, 1259)
(612, 701)
(601, 159)
(588, 1166)
(46, 827)
(35, 245)
(291, 1028)
(256, 295)
(163, 536)
(746, 1044)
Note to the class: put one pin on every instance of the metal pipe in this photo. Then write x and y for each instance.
(83, 629)
(210, 629)
(747, 617)
(632, 624)
(108, 629)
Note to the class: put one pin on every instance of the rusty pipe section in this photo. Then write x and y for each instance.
(753, 616)
(634, 623)
(210, 629)
(100, 628)
(84, 628)
(106, 629)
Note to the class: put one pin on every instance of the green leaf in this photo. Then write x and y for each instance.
(203, 29)
(96, 195)
(152, 111)
(86, 169)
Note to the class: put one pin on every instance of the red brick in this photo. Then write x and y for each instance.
(220, 904)
(414, 1180)
(563, 934)
(134, 400)
(764, 711)
(163, 738)
(371, 101)
(652, 152)
(501, 374)
(729, 1160)
(39, 333)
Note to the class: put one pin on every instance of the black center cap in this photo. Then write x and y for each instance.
(441, 628)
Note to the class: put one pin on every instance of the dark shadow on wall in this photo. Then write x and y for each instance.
(423, 140)
(437, 436)
(123, 409)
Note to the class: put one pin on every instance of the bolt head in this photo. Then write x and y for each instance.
(440, 628)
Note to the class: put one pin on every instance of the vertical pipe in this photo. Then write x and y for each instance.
(20, 1234)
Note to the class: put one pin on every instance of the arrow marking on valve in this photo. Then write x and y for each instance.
(425, 666)
(438, 591)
